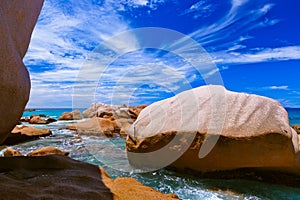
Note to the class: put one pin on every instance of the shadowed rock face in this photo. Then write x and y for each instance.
(50, 177)
(17, 20)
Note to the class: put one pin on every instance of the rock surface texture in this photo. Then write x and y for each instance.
(17, 21)
(212, 129)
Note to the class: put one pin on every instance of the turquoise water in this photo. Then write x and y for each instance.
(110, 154)
(294, 115)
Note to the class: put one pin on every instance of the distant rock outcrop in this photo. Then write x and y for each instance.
(117, 111)
(212, 129)
(109, 120)
(74, 115)
(17, 21)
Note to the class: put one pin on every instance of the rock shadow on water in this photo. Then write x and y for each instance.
(247, 182)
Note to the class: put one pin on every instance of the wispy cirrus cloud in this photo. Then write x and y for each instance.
(200, 9)
(283, 87)
(241, 17)
(257, 55)
(63, 37)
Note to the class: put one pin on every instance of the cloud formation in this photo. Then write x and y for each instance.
(68, 34)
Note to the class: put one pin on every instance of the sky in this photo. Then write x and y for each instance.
(105, 51)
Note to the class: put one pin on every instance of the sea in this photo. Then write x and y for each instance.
(110, 154)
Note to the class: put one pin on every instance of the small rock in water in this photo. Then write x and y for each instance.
(10, 152)
(37, 120)
(49, 150)
(24, 134)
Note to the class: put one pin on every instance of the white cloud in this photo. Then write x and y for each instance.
(240, 19)
(258, 55)
(63, 37)
(68, 31)
(200, 9)
(283, 87)
(122, 5)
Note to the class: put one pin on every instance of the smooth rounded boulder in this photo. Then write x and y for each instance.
(211, 129)
(17, 21)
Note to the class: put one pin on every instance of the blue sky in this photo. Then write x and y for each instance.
(253, 45)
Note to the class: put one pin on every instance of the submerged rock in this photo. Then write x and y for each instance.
(17, 21)
(25, 133)
(74, 115)
(49, 150)
(212, 129)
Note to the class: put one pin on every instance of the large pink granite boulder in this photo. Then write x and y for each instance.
(210, 129)
(17, 21)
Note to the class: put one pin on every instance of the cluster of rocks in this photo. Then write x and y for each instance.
(107, 120)
(48, 150)
(38, 119)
